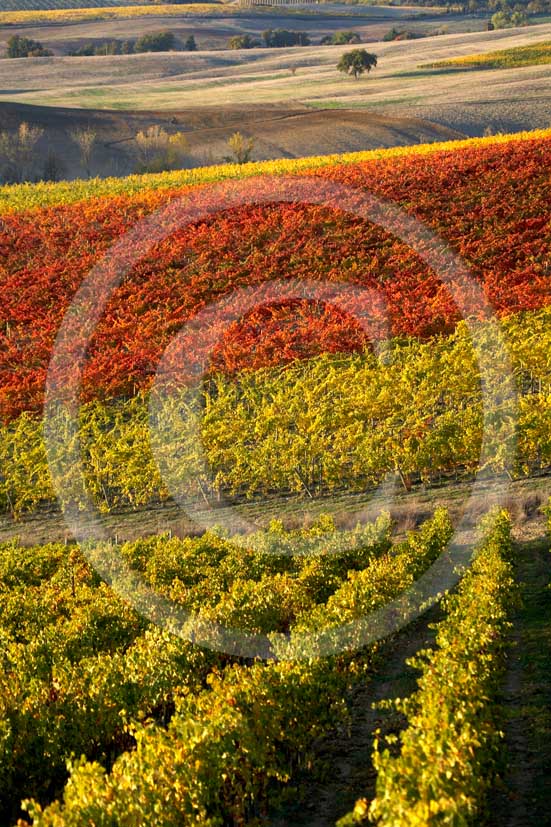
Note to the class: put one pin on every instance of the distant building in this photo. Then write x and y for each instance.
(249, 3)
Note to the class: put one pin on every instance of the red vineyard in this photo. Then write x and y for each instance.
(489, 204)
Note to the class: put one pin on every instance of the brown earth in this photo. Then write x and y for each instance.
(278, 132)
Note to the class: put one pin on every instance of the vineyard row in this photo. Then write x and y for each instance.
(414, 410)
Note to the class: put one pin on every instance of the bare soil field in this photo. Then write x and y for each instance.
(277, 131)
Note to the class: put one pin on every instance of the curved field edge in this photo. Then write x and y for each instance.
(216, 8)
(25, 197)
(535, 54)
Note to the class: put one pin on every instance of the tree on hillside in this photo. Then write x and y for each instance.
(242, 41)
(53, 168)
(279, 38)
(25, 47)
(17, 152)
(109, 47)
(156, 42)
(536, 7)
(506, 19)
(158, 150)
(340, 38)
(189, 44)
(356, 62)
(392, 34)
(241, 149)
(405, 34)
(85, 138)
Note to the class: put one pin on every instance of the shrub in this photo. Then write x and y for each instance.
(279, 38)
(17, 152)
(85, 138)
(25, 47)
(392, 34)
(241, 149)
(505, 19)
(396, 34)
(158, 150)
(156, 42)
(242, 41)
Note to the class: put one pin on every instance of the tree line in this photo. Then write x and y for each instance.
(164, 41)
(154, 148)
(283, 38)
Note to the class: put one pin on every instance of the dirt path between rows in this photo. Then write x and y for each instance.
(344, 771)
(523, 798)
(521, 497)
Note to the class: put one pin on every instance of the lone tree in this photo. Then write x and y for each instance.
(241, 149)
(356, 62)
(85, 138)
(158, 150)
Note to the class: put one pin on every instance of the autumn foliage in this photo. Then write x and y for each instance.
(488, 203)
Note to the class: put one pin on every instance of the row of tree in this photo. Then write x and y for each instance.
(281, 38)
(155, 150)
(153, 42)
(165, 41)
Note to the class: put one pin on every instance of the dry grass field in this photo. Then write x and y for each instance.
(180, 80)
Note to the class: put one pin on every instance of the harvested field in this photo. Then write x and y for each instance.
(305, 76)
